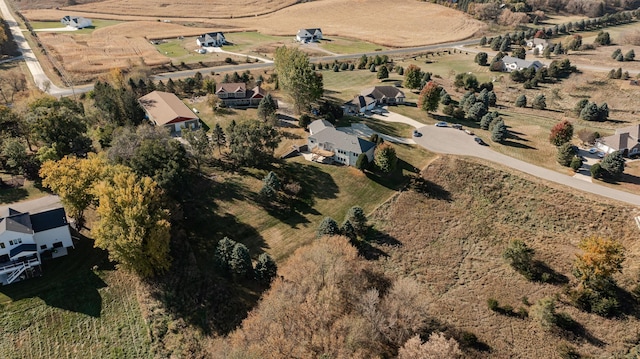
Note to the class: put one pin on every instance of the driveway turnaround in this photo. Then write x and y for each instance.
(456, 142)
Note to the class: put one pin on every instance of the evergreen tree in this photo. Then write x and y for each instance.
(267, 108)
(539, 102)
(358, 219)
(630, 55)
(240, 262)
(476, 111)
(481, 58)
(224, 251)
(499, 132)
(266, 269)
(348, 231)
(328, 227)
(576, 163)
(565, 154)
(521, 101)
(486, 120)
(613, 164)
(615, 53)
(580, 105)
(362, 163)
(383, 73)
(219, 138)
(590, 112)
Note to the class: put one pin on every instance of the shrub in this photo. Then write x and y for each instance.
(520, 257)
(493, 304)
(576, 163)
(596, 171)
(540, 102)
(521, 101)
(544, 312)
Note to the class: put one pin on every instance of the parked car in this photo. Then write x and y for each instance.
(457, 126)
(479, 141)
(593, 150)
(469, 132)
(601, 154)
(442, 124)
(416, 133)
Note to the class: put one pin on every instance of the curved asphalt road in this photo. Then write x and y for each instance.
(452, 141)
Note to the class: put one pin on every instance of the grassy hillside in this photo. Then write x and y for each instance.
(449, 235)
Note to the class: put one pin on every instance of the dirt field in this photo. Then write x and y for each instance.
(404, 24)
(452, 239)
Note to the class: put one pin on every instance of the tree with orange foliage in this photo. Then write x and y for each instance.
(601, 258)
(430, 97)
(561, 133)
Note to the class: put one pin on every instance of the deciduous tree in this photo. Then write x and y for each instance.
(199, 145)
(430, 97)
(296, 77)
(385, 158)
(561, 133)
(133, 226)
(412, 77)
(252, 142)
(600, 259)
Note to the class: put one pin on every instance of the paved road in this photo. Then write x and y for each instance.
(452, 141)
(34, 206)
(39, 77)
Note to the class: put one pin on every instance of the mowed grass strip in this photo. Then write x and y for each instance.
(91, 313)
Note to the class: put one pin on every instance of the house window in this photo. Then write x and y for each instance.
(17, 241)
(44, 246)
(2, 245)
(57, 245)
(10, 243)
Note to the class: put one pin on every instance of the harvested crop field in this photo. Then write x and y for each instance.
(97, 53)
(406, 23)
(450, 236)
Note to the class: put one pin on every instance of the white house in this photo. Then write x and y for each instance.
(78, 22)
(328, 144)
(510, 64)
(538, 43)
(625, 140)
(26, 239)
(166, 109)
(212, 39)
(309, 35)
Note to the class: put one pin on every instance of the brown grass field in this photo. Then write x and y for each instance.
(451, 241)
(406, 23)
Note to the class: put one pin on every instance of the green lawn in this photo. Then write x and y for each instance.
(327, 190)
(97, 24)
(249, 41)
(74, 311)
(36, 25)
(29, 190)
(341, 45)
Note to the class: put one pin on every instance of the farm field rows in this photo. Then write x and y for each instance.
(400, 26)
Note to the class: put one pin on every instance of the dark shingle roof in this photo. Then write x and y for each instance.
(17, 222)
(48, 220)
(26, 247)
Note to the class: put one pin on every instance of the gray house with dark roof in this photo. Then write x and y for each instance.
(510, 64)
(212, 39)
(625, 140)
(359, 104)
(384, 95)
(25, 239)
(309, 35)
(330, 144)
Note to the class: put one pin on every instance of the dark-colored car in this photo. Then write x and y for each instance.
(416, 133)
(479, 141)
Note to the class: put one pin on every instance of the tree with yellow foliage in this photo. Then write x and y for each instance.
(73, 179)
(133, 225)
(601, 258)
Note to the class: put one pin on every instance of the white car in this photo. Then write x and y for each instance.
(593, 150)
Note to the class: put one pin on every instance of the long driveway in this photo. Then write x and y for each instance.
(452, 141)
(39, 77)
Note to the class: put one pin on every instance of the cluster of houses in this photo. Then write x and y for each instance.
(26, 239)
(217, 39)
(167, 110)
(78, 22)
